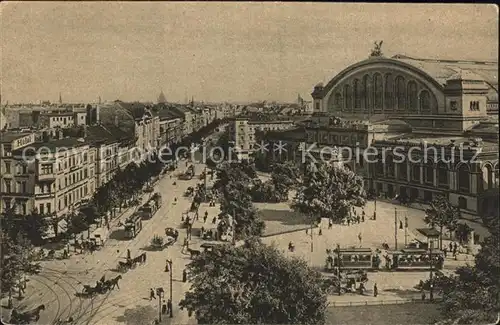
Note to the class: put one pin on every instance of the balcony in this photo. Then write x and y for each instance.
(46, 177)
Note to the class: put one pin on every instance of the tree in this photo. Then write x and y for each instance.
(17, 254)
(471, 296)
(442, 213)
(462, 232)
(33, 226)
(77, 222)
(284, 177)
(329, 191)
(234, 186)
(253, 284)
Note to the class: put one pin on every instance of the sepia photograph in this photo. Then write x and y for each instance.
(305, 163)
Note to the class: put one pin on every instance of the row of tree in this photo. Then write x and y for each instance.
(234, 185)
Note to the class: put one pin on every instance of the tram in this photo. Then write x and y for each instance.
(415, 259)
(353, 259)
(133, 225)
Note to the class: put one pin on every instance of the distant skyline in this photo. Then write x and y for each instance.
(236, 52)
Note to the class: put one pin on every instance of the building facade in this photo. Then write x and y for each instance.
(432, 125)
(242, 133)
(50, 177)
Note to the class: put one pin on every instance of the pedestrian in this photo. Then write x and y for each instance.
(375, 290)
(175, 200)
(423, 295)
(360, 238)
(169, 306)
(151, 294)
(445, 251)
(451, 247)
(330, 223)
(307, 232)
(363, 216)
(348, 221)
(167, 266)
(205, 218)
(320, 232)
(144, 257)
(214, 220)
(128, 254)
(184, 275)
(202, 232)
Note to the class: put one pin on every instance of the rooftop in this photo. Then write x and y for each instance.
(442, 70)
(7, 137)
(51, 146)
(108, 133)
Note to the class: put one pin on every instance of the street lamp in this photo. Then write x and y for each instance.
(338, 267)
(431, 291)
(171, 272)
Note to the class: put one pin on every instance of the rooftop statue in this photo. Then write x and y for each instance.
(377, 50)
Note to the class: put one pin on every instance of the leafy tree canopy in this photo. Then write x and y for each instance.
(254, 284)
(329, 191)
(471, 296)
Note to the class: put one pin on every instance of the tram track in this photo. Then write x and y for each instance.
(63, 278)
(56, 317)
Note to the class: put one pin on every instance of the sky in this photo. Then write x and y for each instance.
(214, 52)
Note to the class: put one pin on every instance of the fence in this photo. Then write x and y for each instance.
(381, 302)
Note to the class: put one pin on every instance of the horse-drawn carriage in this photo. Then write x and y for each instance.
(102, 286)
(350, 281)
(131, 263)
(26, 317)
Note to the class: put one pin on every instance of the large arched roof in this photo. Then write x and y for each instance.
(434, 70)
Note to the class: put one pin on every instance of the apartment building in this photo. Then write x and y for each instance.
(171, 125)
(50, 176)
(113, 148)
(134, 118)
(242, 132)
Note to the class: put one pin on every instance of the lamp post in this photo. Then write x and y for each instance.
(406, 231)
(395, 229)
(171, 303)
(431, 289)
(338, 266)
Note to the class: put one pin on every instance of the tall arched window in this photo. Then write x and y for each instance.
(356, 94)
(401, 93)
(412, 96)
(389, 92)
(337, 102)
(362, 94)
(425, 101)
(348, 97)
(442, 174)
(487, 178)
(429, 173)
(367, 87)
(389, 165)
(378, 91)
(463, 178)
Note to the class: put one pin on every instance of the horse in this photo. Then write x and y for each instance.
(194, 252)
(138, 259)
(114, 282)
(26, 317)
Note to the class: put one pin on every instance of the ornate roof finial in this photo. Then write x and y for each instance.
(377, 49)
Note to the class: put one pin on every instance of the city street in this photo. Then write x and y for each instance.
(58, 282)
